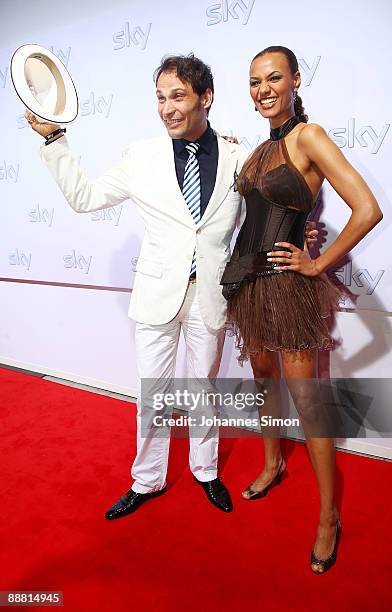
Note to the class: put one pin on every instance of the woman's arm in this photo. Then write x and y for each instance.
(322, 152)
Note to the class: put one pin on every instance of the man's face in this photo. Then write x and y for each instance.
(183, 111)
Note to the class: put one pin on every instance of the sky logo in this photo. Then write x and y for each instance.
(94, 105)
(22, 122)
(3, 77)
(244, 141)
(37, 215)
(250, 145)
(134, 263)
(18, 258)
(108, 214)
(8, 172)
(365, 136)
(77, 262)
(221, 11)
(136, 36)
(362, 278)
(307, 71)
(63, 56)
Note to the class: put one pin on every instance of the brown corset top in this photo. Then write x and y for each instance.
(278, 202)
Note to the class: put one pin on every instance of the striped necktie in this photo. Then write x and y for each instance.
(191, 188)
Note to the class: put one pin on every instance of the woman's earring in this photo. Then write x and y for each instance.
(295, 95)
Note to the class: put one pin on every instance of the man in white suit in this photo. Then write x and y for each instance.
(182, 257)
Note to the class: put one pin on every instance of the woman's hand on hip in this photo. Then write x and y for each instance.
(294, 260)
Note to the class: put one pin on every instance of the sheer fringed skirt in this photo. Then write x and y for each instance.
(283, 312)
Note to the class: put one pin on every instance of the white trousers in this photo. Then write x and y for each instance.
(156, 352)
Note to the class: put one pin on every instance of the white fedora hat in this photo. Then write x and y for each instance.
(44, 84)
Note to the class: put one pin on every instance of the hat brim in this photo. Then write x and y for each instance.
(44, 84)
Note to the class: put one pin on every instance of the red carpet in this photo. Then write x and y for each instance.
(65, 459)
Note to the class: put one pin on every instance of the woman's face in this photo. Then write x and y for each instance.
(272, 87)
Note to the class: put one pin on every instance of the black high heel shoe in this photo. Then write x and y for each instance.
(260, 494)
(326, 564)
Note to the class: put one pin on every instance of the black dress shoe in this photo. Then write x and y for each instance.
(217, 494)
(130, 502)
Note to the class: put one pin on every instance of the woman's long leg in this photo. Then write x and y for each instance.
(266, 371)
(300, 372)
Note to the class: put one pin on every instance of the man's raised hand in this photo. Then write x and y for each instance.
(43, 129)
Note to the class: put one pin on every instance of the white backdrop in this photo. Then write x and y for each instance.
(79, 329)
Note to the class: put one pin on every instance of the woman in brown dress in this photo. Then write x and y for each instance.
(279, 298)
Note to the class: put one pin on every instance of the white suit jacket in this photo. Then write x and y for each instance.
(147, 175)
